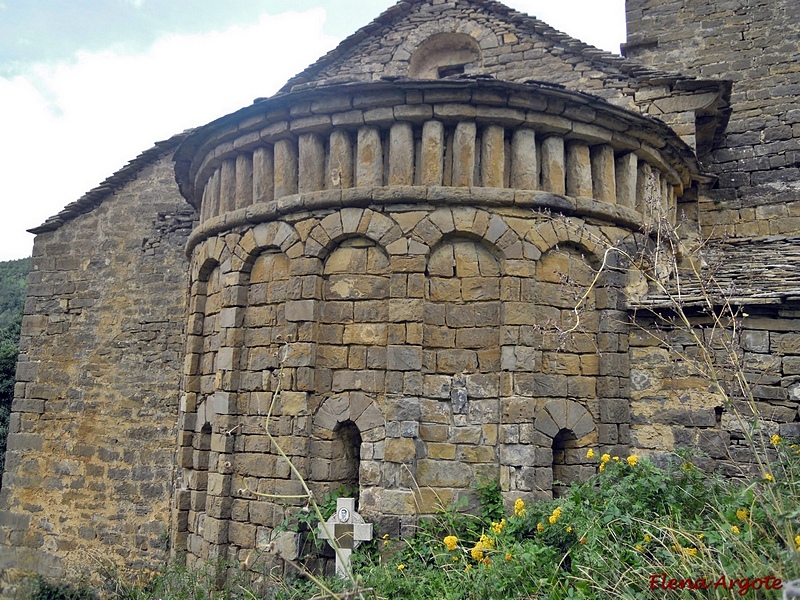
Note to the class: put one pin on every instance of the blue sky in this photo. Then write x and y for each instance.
(86, 85)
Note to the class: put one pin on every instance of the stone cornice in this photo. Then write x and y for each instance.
(287, 144)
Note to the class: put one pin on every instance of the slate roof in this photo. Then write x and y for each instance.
(741, 271)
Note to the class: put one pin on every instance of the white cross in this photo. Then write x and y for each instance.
(344, 531)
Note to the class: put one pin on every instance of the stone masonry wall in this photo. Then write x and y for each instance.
(510, 50)
(674, 404)
(91, 447)
(755, 45)
(426, 330)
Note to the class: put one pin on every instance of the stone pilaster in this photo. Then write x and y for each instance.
(432, 153)
(579, 169)
(464, 140)
(626, 179)
(604, 183)
(553, 165)
(369, 158)
(401, 154)
(285, 168)
(244, 180)
(263, 174)
(340, 164)
(524, 162)
(227, 185)
(493, 156)
(311, 155)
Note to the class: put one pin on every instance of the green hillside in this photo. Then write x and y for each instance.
(13, 281)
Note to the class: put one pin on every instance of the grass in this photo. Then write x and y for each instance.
(634, 530)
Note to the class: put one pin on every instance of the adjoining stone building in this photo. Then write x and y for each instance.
(402, 231)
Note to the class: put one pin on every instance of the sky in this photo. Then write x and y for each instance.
(87, 85)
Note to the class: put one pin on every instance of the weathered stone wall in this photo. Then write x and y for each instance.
(754, 45)
(385, 239)
(676, 405)
(90, 458)
(421, 336)
(403, 259)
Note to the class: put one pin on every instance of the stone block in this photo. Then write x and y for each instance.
(614, 410)
(517, 455)
(443, 473)
(399, 450)
(299, 310)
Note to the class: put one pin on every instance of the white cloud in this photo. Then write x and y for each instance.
(68, 127)
(600, 23)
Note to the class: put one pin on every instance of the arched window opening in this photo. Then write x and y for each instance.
(346, 455)
(444, 55)
(565, 462)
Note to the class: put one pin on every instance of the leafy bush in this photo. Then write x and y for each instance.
(46, 590)
(612, 537)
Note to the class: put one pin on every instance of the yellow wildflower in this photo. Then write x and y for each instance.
(400, 567)
(468, 567)
(498, 527)
(508, 556)
(486, 542)
(455, 558)
(590, 453)
(477, 552)
(539, 527)
(742, 514)
(638, 547)
(450, 542)
(647, 539)
(615, 458)
(797, 541)
(735, 530)
(775, 439)
(569, 528)
(519, 507)
(602, 467)
(605, 458)
(552, 519)
(632, 460)
(691, 551)
(769, 477)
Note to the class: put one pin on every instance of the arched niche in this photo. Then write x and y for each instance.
(348, 432)
(444, 54)
(354, 318)
(346, 455)
(461, 324)
(266, 329)
(569, 430)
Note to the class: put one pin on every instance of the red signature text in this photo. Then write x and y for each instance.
(741, 586)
